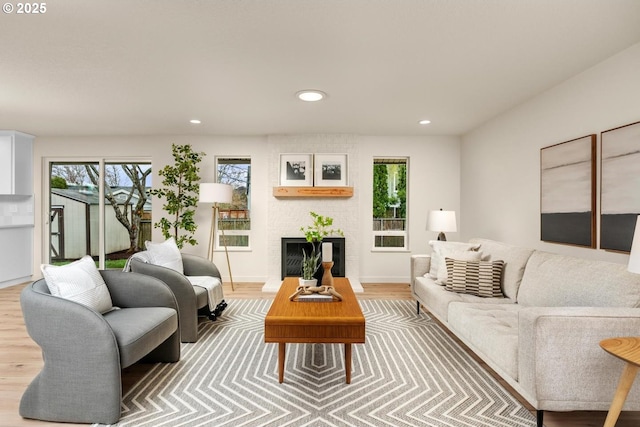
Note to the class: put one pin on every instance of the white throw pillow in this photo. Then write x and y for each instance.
(437, 258)
(165, 254)
(79, 281)
(457, 255)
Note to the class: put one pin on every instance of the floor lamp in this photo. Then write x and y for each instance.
(217, 193)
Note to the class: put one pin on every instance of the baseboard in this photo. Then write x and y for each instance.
(13, 282)
(385, 279)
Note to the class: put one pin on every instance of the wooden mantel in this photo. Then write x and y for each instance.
(312, 191)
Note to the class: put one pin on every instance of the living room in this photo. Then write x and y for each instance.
(482, 163)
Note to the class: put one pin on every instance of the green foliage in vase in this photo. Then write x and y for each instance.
(310, 263)
(314, 233)
(181, 194)
(320, 228)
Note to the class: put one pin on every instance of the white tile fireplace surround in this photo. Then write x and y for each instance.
(287, 215)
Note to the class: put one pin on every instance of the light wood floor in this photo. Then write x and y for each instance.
(21, 360)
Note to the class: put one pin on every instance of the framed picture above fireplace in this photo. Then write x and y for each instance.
(330, 170)
(296, 170)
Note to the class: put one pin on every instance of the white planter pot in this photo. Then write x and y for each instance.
(311, 282)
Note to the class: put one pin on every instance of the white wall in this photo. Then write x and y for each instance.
(490, 176)
(433, 183)
(500, 161)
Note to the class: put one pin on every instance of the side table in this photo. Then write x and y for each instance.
(627, 349)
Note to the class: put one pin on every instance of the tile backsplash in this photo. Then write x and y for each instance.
(16, 211)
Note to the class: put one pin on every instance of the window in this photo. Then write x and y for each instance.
(127, 208)
(98, 208)
(235, 217)
(390, 203)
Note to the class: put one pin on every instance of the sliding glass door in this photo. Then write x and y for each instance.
(100, 208)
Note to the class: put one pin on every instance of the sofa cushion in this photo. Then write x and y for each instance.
(515, 260)
(437, 246)
(436, 298)
(491, 330)
(553, 280)
(212, 286)
(481, 278)
(79, 281)
(202, 297)
(140, 330)
(165, 254)
(443, 273)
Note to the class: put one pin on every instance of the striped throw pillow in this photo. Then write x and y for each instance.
(480, 278)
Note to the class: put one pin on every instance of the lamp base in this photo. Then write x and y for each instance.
(442, 237)
(327, 278)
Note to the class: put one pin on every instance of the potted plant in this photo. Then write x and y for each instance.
(314, 234)
(310, 265)
(181, 194)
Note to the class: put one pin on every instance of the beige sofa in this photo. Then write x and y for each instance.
(543, 336)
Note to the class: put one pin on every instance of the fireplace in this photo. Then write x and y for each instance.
(291, 255)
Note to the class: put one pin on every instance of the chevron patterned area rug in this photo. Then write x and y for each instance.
(409, 373)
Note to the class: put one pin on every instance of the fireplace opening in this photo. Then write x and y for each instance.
(291, 255)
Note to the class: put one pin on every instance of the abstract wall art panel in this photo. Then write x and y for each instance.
(619, 186)
(567, 192)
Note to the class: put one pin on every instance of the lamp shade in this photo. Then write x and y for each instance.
(442, 221)
(634, 256)
(215, 193)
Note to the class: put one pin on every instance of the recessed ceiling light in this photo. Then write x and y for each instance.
(195, 121)
(310, 95)
(424, 122)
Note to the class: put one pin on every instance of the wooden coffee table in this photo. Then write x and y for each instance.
(314, 322)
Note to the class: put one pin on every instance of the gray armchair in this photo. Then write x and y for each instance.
(84, 351)
(191, 299)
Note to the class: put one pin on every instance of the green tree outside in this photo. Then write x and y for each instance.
(380, 190)
(58, 182)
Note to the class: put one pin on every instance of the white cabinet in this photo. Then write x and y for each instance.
(16, 255)
(16, 163)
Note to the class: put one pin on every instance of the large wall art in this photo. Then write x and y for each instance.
(568, 186)
(619, 186)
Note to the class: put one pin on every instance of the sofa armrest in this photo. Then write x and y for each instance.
(77, 322)
(137, 290)
(177, 282)
(420, 265)
(81, 355)
(561, 362)
(198, 266)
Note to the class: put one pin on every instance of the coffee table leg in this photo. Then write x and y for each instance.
(347, 361)
(281, 353)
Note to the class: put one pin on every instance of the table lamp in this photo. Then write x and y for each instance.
(441, 222)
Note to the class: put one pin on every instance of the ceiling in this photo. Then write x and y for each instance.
(142, 67)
